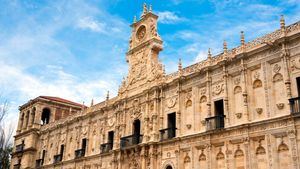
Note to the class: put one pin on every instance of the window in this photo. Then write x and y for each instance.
(45, 116)
(298, 85)
(171, 125)
(219, 113)
(111, 137)
(83, 144)
(169, 167)
(62, 148)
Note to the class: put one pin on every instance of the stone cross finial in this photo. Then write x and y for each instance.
(145, 10)
(179, 65)
(134, 19)
(150, 8)
(282, 22)
(107, 95)
(242, 38)
(225, 47)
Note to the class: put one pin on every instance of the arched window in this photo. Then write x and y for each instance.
(45, 116)
(27, 119)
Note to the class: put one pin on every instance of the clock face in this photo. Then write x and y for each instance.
(140, 34)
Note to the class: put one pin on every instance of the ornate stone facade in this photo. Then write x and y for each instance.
(237, 110)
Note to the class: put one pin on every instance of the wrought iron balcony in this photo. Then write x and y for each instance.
(168, 133)
(105, 148)
(79, 153)
(39, 163)
(215, 122)
(131, 140)
(20, 148)
(295, 105)
(17, 166)
(57, 158)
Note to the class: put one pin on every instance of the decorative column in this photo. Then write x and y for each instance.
(294, 149)
(179, 91)
(269, 151)
(244, 88)
(208, 86)
(226, 108)
(247, 153)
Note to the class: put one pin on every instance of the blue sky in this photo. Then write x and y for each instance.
(75, 49)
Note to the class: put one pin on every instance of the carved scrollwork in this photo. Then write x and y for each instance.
(295, 63)
(218, 89)
(172, 101)
(276, 68)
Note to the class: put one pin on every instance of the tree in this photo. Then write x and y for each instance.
(5, 137)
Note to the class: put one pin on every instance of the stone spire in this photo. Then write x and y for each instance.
(282, 22)
(225, 47)
(145, 10)
(242, 38)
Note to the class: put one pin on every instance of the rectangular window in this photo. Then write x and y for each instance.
(171, 125)
(298, 85)
(111, 137)
(219, 114)
(83, 144)
(62, 148)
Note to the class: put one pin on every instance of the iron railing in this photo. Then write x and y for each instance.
(105, 148)
(131, 140)
(57, 158)
(295, 105)
(215, 122)
(79, 153)
(167, 133)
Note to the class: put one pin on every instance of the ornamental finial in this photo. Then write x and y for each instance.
(179, 65)
(242, 38)
(225, 46)
(150, 8)
(145, 10)
(134, 19)
(282, 22)
(92, 102)
(209, 53)
(107, 95)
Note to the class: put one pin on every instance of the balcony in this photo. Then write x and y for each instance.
(168, 133)
(79, 153)
(295, 105)
(39, 163)
(131, 140)
(215, 122)
(20, 148)
(57, 158)
(105, 148)
(17, 166)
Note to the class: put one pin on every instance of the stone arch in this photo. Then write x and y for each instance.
(169, 164)
(239, 158)
(188, 103)
(283, 147)
(203, 99)
(237, 89)
(238, 153)
(46, 115)
(257, 83)
(284, 156)
(260, 150)
(277, 77)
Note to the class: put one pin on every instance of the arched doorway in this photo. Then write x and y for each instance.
(45, 116)
(169, 167)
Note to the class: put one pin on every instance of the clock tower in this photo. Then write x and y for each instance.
(142, 56)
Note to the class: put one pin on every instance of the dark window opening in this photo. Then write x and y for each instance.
(83, 144)
(219, 114)
(45, 116)
(298, 85)
(43, 157)
(171, 125)
(62, 148)
(136, 131)
(111, 137)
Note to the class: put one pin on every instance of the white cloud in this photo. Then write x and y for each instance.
(91, 24)
(168, 17)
